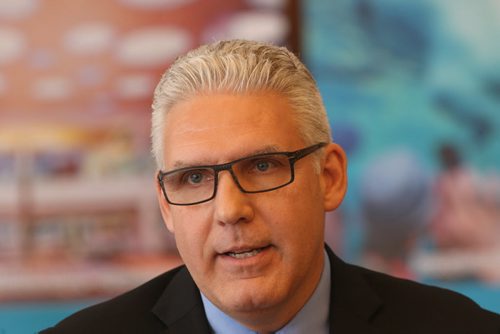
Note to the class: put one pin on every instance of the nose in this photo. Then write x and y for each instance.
(231, 204)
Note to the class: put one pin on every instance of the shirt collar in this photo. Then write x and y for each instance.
(312, 318)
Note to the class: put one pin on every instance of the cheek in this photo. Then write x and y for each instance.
(191, 232)
(304, 214)
(296, 217)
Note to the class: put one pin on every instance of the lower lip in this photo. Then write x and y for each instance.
(258, 260)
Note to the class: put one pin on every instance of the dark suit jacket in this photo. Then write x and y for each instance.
(361, 301)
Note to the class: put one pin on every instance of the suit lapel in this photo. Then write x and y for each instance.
(353, 304)
(180, 306)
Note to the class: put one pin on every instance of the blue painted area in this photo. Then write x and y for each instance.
(403, 75)
(27, 318)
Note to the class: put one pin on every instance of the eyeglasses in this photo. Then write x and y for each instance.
(254, 174)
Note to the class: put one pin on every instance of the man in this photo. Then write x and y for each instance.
(247, 171)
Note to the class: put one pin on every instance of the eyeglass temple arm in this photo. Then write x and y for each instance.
(308, 150)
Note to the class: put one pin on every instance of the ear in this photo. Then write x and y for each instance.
(334, 176)
(164, 207)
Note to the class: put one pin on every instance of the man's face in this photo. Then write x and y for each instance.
(279, 233)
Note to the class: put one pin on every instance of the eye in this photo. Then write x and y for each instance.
(265, 165)
(196, 177)
(262, 166)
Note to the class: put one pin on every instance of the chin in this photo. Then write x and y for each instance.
(246, 300)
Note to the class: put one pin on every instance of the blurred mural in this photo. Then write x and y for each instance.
(78, 212)
(414, 93)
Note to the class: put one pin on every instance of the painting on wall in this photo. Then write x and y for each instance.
(77, 191)
(412, 89)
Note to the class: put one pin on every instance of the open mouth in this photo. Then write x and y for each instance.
(246, 253)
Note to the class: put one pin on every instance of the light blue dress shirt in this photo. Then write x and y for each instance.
(312, 318)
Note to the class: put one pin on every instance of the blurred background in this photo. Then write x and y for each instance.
(412, 89)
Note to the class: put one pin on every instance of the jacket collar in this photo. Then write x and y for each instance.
(180, 306)
(353, 303)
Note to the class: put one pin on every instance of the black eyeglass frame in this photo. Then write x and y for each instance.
(293, 157)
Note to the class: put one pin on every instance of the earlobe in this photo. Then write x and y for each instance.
(164, 207)
(334, 174)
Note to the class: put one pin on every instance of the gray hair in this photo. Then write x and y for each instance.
(239, 67)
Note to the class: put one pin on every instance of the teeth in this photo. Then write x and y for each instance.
(246, 254)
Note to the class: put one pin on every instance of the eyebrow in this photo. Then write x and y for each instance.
(267, 149)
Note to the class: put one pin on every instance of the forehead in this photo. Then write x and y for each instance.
(211, 128)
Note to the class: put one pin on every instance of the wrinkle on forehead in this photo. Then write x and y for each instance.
(184, 123)
(184, 128)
